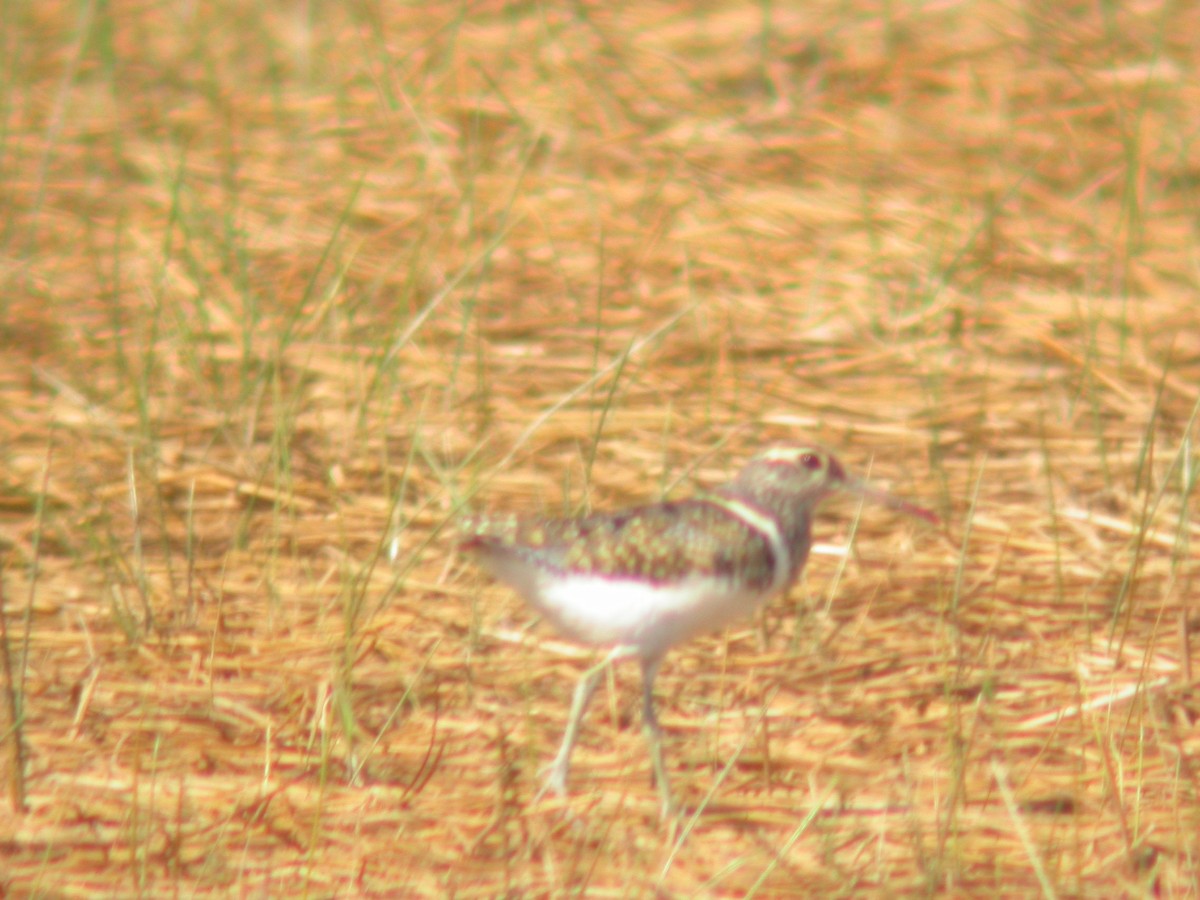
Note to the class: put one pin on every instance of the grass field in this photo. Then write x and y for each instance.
(285, 287)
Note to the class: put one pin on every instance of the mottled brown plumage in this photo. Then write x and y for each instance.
(662, 543)
(644, 579)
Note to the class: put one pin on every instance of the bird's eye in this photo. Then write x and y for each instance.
(810, 461)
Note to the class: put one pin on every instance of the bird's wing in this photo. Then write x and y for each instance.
(660, 543)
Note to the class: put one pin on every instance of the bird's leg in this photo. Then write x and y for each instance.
(556, 772)
(653, 732)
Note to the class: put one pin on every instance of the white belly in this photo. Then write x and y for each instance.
(609, 611)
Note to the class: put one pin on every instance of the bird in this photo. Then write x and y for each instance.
(640, 581)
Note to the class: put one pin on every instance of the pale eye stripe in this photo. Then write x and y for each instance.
(765, 525)
(786, 454)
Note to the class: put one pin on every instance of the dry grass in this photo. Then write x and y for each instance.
(285, 286)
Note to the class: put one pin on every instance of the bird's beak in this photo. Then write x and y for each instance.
(890, 500)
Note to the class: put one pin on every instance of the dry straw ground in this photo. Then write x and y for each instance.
(284, 286)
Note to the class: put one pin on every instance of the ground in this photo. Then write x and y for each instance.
(286, 289)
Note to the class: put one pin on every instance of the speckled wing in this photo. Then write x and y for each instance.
(659, 544)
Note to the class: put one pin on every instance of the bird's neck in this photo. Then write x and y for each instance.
(792, 514)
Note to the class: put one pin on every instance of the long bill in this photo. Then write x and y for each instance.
(891, 500)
